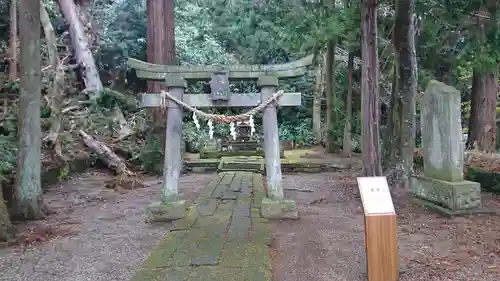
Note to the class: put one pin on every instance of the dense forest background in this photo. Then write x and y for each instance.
(88, 89)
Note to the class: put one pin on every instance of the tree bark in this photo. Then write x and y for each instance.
(347, 141)
(28, 200)
(155, 41)
(330, 94)
(160, 50)
(13, 41)
(414, 87)
(370, 91)
(392, 152)
(56, 95)
(482, 123)
(401, 125)
(6, 229)
(169, 44)
(318, 98)
(79, 42)
(409, 86)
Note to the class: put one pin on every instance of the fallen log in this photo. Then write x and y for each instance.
(124, 178)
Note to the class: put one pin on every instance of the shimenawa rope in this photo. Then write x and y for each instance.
(219, 118)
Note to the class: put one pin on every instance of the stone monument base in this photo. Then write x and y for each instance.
(162, 211)
(208, 154)
(251, 163)
(450, 198)
(282, 209)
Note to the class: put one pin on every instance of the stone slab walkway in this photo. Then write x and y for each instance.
(222, 237)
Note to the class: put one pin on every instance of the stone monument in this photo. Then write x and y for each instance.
(442, 186)
(171, 206)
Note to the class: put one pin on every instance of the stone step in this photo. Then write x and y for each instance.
(252, 163)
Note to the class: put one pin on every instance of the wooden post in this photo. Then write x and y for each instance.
(173, 154)
(268, 85)
(380, 229)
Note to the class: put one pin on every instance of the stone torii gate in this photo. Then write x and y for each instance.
(171, 206)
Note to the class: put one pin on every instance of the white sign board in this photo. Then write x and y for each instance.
(375, 195)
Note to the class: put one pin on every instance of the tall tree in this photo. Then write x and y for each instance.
(318, 101)
(403, 101)
(13, 41)
(169, 28)
(482, 123)
(160, 50)
(330, 93)
(347, 141)
(370, 91)
(28, 190)
(6, 229)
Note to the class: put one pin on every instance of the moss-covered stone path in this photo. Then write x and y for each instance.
(221, 238)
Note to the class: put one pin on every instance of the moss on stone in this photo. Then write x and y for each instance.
(257, 164)
(160, 257)
(199, 249)
(187, 221)
(220, 154)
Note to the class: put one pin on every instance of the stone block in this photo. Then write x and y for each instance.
(241, 164)
(442, 132)
(187, 221)
(166, 211)
(230, 195)
(278, 209)
(199, 170)
(200, 247)
(459, 195)
(161, 255)
(206, 206)
(220, 154)
(238, 230)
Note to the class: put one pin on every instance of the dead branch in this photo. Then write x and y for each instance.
(56, 93)
(124, 177)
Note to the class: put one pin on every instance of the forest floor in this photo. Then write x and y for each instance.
(100, 234)
(97, 234)
(327, 243)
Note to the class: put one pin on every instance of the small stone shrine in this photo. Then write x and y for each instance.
(243, 141)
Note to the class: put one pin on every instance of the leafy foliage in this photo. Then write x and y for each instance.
(450, 45)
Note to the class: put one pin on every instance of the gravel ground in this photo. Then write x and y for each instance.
(99, 234)
(96, 234)
(327, 243)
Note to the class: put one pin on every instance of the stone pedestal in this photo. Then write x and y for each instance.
(247, 163)
(452, 198)
(443, 187)
(165, 211)
(278, 209)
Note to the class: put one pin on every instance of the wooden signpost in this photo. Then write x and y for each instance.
(380, 229)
